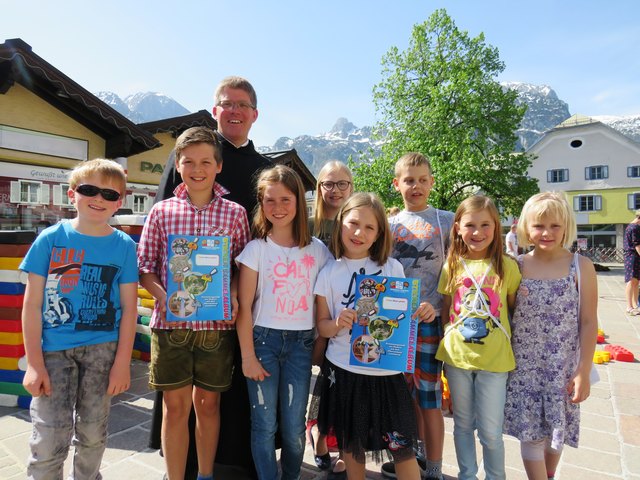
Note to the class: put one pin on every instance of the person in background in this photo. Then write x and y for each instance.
(235, 111)
(631, 248)
(511, 241)
(79, 319)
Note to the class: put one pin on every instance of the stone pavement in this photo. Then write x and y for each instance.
(609, 437)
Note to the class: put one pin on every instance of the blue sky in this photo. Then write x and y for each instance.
(314, 61)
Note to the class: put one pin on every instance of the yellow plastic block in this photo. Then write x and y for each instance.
(600, 331)
(143, 293)
(9, 263)
(601, 356)
(11, 338)
(7, 363)
(147, 303)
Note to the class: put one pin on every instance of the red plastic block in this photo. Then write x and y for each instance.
(619, 353)
(11, 351)
(600, 338)
(10, 326)
(11, 301)
(11, 313)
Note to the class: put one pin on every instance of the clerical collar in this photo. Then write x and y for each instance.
(237, 146)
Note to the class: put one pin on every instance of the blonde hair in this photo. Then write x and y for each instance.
(548, 204)
(328, 168)
(291, 181)
(411, 159)
(459, 249)
(381, 248)
(107, 170)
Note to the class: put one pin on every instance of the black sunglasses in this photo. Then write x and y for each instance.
(91, 191)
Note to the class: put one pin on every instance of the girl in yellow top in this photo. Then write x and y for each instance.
(479, 285)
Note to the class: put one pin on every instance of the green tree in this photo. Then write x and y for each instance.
(440, 97)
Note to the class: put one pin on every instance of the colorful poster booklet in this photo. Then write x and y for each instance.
(385, 335)
(198, 278)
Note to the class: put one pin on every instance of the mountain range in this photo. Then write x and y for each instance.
(344, 139)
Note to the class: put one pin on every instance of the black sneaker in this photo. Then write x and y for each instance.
(388, 469)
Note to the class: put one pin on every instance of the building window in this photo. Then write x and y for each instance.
(634, 171)
(60, 196)
(633, 201)
(139, 203)
(558, 175)
(599, 172)
(587, 203)
(24, 191)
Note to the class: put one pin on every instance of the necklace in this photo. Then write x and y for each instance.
(285, 250)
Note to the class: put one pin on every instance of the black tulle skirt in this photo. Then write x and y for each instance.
(369, 414)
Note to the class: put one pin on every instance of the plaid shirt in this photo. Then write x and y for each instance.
(178, 216)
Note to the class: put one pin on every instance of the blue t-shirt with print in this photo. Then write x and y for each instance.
(81, 301)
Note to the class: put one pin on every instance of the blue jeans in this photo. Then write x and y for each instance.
(478, 400)
(78, 408)
(286, 355)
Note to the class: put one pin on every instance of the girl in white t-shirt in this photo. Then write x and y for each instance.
(369, 409)
(276, 319)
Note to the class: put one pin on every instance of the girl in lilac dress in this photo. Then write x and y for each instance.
(554, 336)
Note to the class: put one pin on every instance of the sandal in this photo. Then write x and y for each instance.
(323, 462)
(633, 311)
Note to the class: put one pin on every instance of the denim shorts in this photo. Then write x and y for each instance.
(202, 358)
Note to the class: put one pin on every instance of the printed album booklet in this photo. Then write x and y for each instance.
(385, 335)
(198, 278)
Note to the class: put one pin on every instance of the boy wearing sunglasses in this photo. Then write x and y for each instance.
(78, 319)
(191, 361)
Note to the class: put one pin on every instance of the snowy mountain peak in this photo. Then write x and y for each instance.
(529, 89)
(342, 128)
(144, 106)
(628, 125)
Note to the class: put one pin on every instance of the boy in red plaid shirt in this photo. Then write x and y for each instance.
(191, 361)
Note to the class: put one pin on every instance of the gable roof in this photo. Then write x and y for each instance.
(18, 64)
(291, 159)
(177, 125)
(579, 121)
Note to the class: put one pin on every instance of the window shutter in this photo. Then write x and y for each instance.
(629, 171)
(129, 202)
(549, 176)
(44, 194)
(586, 173)
(631, 201)
(576, 203)
(57, 194)
(148, 202)
(15, 192)
(597, 202)
(605, 171)
(565, 175)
